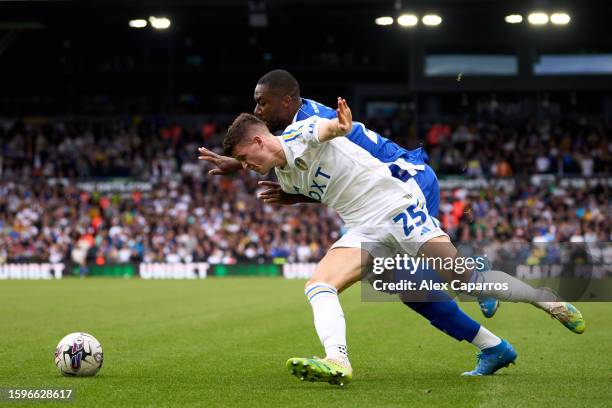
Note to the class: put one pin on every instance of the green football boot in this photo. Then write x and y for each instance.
(569, 316)
(327, 370)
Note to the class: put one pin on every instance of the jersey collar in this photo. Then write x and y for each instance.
(298, 111)
(288, 156)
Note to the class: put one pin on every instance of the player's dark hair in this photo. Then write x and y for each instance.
(239, 130)
(281, 82)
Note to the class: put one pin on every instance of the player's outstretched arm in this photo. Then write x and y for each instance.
(275, 195)
(341, 126)
(225, 165)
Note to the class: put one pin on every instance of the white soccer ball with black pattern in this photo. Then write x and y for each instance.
(79, 355)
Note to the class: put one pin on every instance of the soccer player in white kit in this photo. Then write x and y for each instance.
(312, 158)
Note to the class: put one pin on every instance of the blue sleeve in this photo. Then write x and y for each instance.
(379, 147)
(313, 108)
(384, 149)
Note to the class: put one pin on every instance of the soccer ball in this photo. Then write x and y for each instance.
(79, 355)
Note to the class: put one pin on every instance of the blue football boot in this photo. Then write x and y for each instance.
(492, 359)
(488, 306)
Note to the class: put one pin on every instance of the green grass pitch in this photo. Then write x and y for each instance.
(224, 342)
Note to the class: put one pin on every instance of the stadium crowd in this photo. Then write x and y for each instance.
(183, 215)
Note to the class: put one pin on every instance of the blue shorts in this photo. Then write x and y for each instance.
(426, 179)
(428, 182)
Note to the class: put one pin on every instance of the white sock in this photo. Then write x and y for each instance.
(485, 339)
(517, 290)
(328, 319)
(548, 306)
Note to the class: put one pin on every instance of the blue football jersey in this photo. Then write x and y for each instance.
(386, 151)
(378, 146)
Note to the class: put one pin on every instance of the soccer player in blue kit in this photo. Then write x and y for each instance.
(279, 104)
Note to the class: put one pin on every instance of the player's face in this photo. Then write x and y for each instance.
(272, 108)
(253, 155)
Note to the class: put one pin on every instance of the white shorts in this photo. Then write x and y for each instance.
(402, 230)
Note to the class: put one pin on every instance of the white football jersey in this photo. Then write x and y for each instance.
(339, 174)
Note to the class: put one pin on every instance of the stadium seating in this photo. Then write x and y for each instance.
(49, 210)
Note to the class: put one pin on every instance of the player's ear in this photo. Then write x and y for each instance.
(286, 101)
(257, 139)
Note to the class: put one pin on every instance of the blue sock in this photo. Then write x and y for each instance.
(446, 316)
